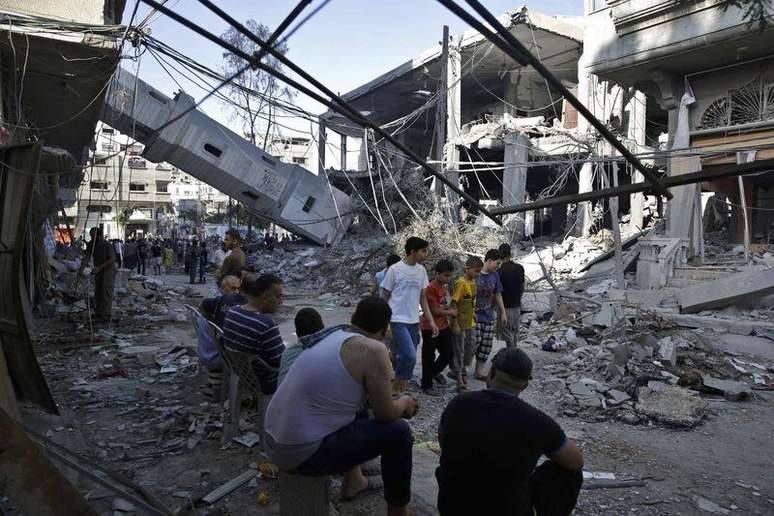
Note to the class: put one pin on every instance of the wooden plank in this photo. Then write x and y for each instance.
(726, 291)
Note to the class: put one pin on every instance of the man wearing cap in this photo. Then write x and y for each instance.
(491, 441)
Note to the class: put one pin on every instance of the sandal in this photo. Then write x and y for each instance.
(375, 484)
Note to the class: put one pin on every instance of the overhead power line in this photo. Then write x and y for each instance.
(333, 101)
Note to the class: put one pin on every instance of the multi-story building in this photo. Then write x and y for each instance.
(711, 70)
(121, 191)
(294, 149)
(190, 194)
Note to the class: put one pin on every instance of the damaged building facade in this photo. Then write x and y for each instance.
(507, 138)
(57, 62)
(709, 68)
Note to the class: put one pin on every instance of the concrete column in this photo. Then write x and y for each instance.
(637, 108)
(585, 184)
(321, 139)
(343, 151)
(516, 157)
(453, 120)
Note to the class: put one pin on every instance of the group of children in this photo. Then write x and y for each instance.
(456, 328)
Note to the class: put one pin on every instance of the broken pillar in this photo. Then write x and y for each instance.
(453, 120)
(585, 184)
(515, 178)
(636, 131)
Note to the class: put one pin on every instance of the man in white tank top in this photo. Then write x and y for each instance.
(315, 422)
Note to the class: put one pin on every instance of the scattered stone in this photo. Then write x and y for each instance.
(731, 390)
(621, 354)
(553, 384)
(670, 405)
(121, 505)
(618, 397)
(667, 350)
(709, 506)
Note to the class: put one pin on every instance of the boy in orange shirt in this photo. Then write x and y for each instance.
(437, 297)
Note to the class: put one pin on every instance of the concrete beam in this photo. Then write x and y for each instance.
(726, 291)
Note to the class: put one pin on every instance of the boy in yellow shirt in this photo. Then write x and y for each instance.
(464, 301)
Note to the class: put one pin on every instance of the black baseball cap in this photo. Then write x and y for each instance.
(513, 362)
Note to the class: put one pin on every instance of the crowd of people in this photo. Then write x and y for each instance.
(340, 396)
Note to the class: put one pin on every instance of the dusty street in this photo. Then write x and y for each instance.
(120, 410)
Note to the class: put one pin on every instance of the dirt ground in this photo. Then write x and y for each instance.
(158, 429)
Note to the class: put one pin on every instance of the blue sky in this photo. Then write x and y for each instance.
(346, 44)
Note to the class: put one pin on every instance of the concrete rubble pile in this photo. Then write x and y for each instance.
(70, 292)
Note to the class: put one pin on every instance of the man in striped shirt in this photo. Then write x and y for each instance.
(249, 328)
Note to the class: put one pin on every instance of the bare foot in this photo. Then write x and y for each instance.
(353, 485)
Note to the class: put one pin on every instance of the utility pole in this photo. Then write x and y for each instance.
(441, 113)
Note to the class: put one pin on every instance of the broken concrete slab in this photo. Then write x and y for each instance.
(617, 397)
(725, 292)
(758, 346)
(667, 350)
(720, 324)
(730, 389)
(608, 315)
(671, 405)
(539, 301)
(709, 506)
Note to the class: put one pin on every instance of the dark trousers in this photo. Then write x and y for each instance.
(192, 271)
(103, 294)
(361, 441)
(553, 490)
(202, 266)
(444, 345)
(141, 265)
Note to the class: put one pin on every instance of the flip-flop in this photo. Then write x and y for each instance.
(374, 484)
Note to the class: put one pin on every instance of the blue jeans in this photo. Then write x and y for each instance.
(405, 339)
(361, 441)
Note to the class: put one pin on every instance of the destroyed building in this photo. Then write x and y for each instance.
(507, 138)
(709, 68)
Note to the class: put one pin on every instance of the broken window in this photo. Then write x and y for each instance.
(308, 204)
(299, 161)
(98, 185)
(162, 186)
(136, 187)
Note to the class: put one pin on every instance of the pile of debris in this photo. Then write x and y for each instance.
(643, 368)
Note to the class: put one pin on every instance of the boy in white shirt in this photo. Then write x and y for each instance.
(403, 288)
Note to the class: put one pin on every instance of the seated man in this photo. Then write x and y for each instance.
(250, 329)
(308, 323)
(311, 421)
(491, 441)
(215, 308)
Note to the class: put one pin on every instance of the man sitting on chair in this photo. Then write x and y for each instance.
(249, 328)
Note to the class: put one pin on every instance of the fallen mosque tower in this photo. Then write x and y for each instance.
(285, 194)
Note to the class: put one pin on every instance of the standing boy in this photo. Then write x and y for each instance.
(464, 300)
(404, 289)
(437, 296)
(488, 295)
(512, 278)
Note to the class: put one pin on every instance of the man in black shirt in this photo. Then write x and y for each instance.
(491, 441)
(512, 279)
